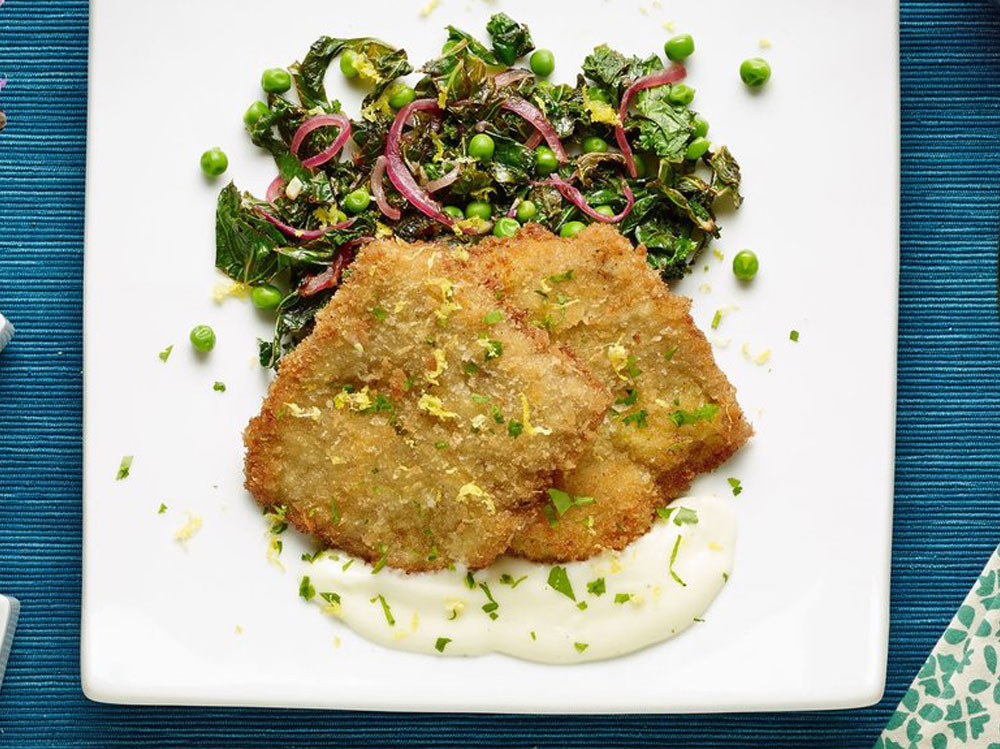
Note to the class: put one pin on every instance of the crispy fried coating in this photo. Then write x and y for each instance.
(675, 414)
(419, 422)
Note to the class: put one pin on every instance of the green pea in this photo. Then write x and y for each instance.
(681, 94)
(506, 227)
(593, 144)
(700, 126)
(214, 162)
(605, 210)
(266, 297)
(255, 111)
(400, 95)
(680, 47)
(202, 338)
(481, 147)
(745, 265)
(698, 148)
(349, 63)
(526, 210)
(542, 62)
(571, 229)
(357, 201)
(454, 211)
(640, 166)
(755, 72)
(479, 209)
(598, 94)
(545, 160)
(276, 81)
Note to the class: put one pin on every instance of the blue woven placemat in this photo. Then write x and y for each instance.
(948, 461)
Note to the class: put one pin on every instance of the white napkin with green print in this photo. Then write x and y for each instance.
(955, 699)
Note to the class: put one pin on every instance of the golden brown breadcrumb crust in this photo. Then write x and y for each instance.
(422, 418)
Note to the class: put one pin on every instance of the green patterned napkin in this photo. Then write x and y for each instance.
(955, 699)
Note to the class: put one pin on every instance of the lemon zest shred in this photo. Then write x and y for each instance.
(435, 407)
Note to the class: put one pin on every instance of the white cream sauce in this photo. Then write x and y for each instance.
(533, 620)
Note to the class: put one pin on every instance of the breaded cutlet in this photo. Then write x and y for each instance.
(675, 414)
(420, 421)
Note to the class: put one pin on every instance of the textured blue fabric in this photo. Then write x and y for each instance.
(948, 461)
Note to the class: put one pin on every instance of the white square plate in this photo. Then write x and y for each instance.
(803, 623)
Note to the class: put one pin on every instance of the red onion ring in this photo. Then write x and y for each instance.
(576, 197)
(531, 113)
(378, 191)
(330, 277)
(305, 234)
(400, 175)
(510, 76)
(661, 78)
(533, 141)
(274, 189)
(313, 123)
(443, 182)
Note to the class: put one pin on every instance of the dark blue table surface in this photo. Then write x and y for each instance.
(947, 517)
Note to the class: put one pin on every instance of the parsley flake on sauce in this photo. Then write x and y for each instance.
(124, 468)
(673, 558)
(794, 336)
(306, 589)
(736, 485)
(163, 509)
(385, 609)
(559, 582)
(219, 387)
(580, 646)
(623, 597)
(165, 354)
(506, 579)
(441, 644)
(596, 587)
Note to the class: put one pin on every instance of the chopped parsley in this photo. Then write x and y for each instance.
(514, 427)
(493, 317)
(491, 606)
(794, 336)
(564, 502)
(629, 399)
(580, 646)
(623, 597)
(307, 557)
(596, 587)
(639, 418)
(717, 319)
(684, 516)
(561, 277)
(347, 565)
(306, 589)
(673, 558)
(124, 468)
(380, 314)
(477, 398)
(219, 387)
(582, 605)
(470, 581)
(163, 509)
(559, 582)
(492, 349)
(334, 512)
(383, 550)
(631, 367)
(533, 637)
(165, 354)
(441, 644)
(385, 609)
(470, 368)
(441, 445)
(497, 414)
(331, 598)
(506, 579)
(670, 354)
(737, 486)
(705, 413)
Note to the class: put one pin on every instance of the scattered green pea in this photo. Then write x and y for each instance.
(745, 265)
(276, 81)
(594, 144)
(681, 94)
(214, 162)
(255, 111)
(542, 62)
(526, 210)
(698, 148)
(571, 228)
(640, 166)
(545, 160)
(481, 147)
(679, 48)
(348, 63)
(605, 210)
(266, 297)
(454, 211)
(479, 209)
(700, 126)
(202, 338)
(357, 201)
(400, 95)
(755, 72)
(506, 227)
